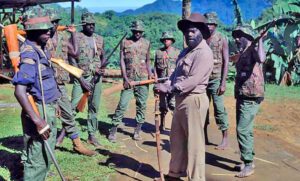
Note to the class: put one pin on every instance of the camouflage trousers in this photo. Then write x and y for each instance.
(218, 103)
(93, 103)
(35, 158)
(66, 116)
(166, 101)
(141, 94)
(246, 111)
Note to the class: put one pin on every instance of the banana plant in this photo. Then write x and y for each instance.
(280, 43)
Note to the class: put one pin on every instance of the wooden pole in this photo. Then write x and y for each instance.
(186, 12)
(157, 133)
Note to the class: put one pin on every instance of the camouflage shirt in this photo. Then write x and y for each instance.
(60, 51)
(215, 42)
(135, 57)
(249, 81)
(165, 61)
(89, 57)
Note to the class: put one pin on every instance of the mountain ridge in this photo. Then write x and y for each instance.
(223, 8)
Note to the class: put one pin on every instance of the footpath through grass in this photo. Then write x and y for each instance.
(73, 165)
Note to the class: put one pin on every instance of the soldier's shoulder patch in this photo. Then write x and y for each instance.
(25, 48)
(28, 60)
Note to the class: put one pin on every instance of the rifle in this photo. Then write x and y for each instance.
(82, 102)
(120, 86)
(236, 57)
(59, 28)
(5, 77)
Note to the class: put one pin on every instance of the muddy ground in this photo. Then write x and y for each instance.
(277, 144)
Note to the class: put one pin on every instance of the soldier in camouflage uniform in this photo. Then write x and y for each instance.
(135, 65)
(35, 61)
(249, 93)
(217, 81)
(164, 66)
(90, 59)
(60, 45)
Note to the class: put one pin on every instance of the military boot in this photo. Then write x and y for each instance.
(92, 140)
(61, 137)
(78, 147)
(112, 134)
(162, 126)
(137, 130)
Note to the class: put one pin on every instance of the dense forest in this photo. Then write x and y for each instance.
(280, 44)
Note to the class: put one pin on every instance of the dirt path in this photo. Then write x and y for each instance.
(277, 149)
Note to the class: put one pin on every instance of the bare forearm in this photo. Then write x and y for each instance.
(148, 61)
(103, 53)
(21, 95)
(261, 51)
(225, 53)
(73, 48)
(123, 68)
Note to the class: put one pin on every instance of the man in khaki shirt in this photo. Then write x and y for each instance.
(189, 82)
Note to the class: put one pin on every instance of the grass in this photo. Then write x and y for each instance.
(7, 94)
(73, 165)
(78, 167)
(265, 127)
(272, 92)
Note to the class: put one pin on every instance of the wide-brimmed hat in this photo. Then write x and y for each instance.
(243, 31)
(167, 35)
(212, 18)
(37, 19)
(137, 25)
(53, 14)
(88, 18)
(197, 20)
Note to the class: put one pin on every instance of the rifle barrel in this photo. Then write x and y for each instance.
(111, 53)
(54, 160)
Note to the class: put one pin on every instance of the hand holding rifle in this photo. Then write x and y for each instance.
(99, 72)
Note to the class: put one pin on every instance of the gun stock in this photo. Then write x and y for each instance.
(81, 104)
(11, 35)
(77, 72)
(120, 86)
(59, 28)
(113, 89)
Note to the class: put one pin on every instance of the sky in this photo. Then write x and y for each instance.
(109, 3)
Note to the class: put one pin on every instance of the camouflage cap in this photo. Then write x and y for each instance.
(167, 35)
(137, 25)
(243, 31)
(212, 18)
(88, 18)
(53, 14)
(37, 19)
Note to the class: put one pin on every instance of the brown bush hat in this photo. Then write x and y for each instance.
(197, 20)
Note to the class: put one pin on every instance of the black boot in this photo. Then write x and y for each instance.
(60, 138)
(137, 130)
(162, 126)
(92, 140)
(112, 134)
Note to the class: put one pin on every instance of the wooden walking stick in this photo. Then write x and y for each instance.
(157, 133)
